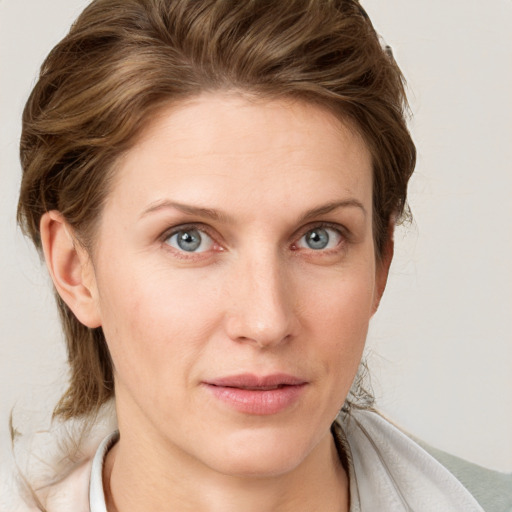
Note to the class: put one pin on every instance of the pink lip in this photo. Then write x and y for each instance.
(259, 395)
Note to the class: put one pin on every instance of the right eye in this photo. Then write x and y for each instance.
(189, 240)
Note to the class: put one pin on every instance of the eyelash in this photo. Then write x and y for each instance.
(340, 230)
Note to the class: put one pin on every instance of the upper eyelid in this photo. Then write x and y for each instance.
(322, 224)
(184, 227)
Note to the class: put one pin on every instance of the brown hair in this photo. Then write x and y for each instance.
(124, 59)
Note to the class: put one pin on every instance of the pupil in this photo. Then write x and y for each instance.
(318, 239)
(189, 240)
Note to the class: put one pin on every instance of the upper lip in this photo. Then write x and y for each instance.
(251, 381)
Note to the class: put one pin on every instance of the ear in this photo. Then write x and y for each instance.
(382, 269)
(70, 268)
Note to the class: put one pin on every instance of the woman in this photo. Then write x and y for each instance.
(214, 186)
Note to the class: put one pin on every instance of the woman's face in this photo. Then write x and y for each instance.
(234, 277)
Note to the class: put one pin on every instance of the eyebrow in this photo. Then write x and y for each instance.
(208, 213)
(329, 207)
(217, 215)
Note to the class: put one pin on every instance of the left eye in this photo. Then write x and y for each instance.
(190, 240)
(320, 239)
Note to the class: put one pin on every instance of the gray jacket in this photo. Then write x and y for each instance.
(492, 489)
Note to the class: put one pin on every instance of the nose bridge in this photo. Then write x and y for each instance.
(262, 305)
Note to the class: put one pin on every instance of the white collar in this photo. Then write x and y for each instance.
(96, 491)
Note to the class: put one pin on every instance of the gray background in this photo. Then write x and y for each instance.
(440, 347)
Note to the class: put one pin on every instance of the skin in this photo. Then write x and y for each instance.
(254, 298)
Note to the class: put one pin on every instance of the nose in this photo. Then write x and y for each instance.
(262, 304)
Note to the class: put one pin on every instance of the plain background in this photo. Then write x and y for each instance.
(440, 347)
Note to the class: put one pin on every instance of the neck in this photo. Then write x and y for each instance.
(138, 478)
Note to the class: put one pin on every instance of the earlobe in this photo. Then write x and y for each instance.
(70, 268)
(383, 265)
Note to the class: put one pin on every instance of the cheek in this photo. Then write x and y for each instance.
(153, 322)
(342, 302)
(338, 313)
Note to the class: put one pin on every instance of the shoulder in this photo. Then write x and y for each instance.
(492, 489)
(12, 497)
(384, 457)
(51, 469)
(70, 493)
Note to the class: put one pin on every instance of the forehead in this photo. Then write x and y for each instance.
(250, 151)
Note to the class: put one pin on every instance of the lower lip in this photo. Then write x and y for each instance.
(256, 402)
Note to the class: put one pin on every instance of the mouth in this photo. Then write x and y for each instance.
(257, 388)
(257, 395)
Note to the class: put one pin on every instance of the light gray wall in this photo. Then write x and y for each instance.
(441, 344)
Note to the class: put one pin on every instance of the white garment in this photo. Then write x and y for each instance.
(391, 473)
(388, 472)
(96, 492)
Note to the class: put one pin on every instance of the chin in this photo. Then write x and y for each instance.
(258, 465)
(261, 456)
